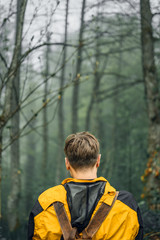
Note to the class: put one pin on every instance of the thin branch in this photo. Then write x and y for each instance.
(45, 44)
(26, 124)
(108, 93)
(3, 123)
(7, 19)
(3, 60)
(49, 77)
(35, 129)
(8, 76)
(155, 14)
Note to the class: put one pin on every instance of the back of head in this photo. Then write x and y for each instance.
(82, 150)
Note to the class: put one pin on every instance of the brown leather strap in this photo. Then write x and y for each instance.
(70, 233)
(98, 218)
(67, 230)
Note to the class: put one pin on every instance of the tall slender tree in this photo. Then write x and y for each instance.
(96, 85)
(30, 170)
(45, 113)
(75, 96)
(115, 112)
(61, 130)
(12, 103)
(11, 82)
(98, 74)
(152, 172)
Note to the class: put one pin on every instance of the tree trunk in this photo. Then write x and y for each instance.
(12, 73)
(61, 109)
(1, 172)
(13, 198)
(15, 59)
(151, 176)
(75, 96)
(30, 171)
(13, 88)
(96, 85)
(45, 115)
(114, 161)
(97, 78)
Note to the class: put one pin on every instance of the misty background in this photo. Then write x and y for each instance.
(69, 66)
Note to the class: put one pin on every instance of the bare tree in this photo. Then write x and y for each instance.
(75, 96)
(98, 70)
(61, 121)
(115, 113)
(11, 81)
(96, 85)
(30, 170)
(151, 176)
(12, 102)
(45, 112)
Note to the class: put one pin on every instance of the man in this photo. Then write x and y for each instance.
(82, 195)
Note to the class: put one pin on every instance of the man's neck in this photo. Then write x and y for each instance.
(84, 174)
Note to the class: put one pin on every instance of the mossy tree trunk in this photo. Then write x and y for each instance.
(151, 175)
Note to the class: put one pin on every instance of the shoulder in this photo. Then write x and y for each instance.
(128, 199)
(43, 219)
(45, 199)
(51, 195)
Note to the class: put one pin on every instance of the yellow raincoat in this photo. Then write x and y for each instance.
(122, 223)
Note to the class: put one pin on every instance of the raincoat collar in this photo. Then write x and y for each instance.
(67, 180)
(109, 192)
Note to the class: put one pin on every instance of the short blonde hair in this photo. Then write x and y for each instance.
(81, 149)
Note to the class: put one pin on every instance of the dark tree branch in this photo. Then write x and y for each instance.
(3, 60)
(24, 55)
(7, 19)
(14, 138)
(155, 14)
(108, 93)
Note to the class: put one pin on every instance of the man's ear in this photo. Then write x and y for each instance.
(67, 164)
(98, 160)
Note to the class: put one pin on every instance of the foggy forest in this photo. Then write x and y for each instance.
(69, 66)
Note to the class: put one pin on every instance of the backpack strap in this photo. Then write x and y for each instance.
(70, 233)
(98, 218)
(67, 230)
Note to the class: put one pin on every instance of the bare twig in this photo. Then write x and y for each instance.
(108, 93)
(25, 125)
(4, 60)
